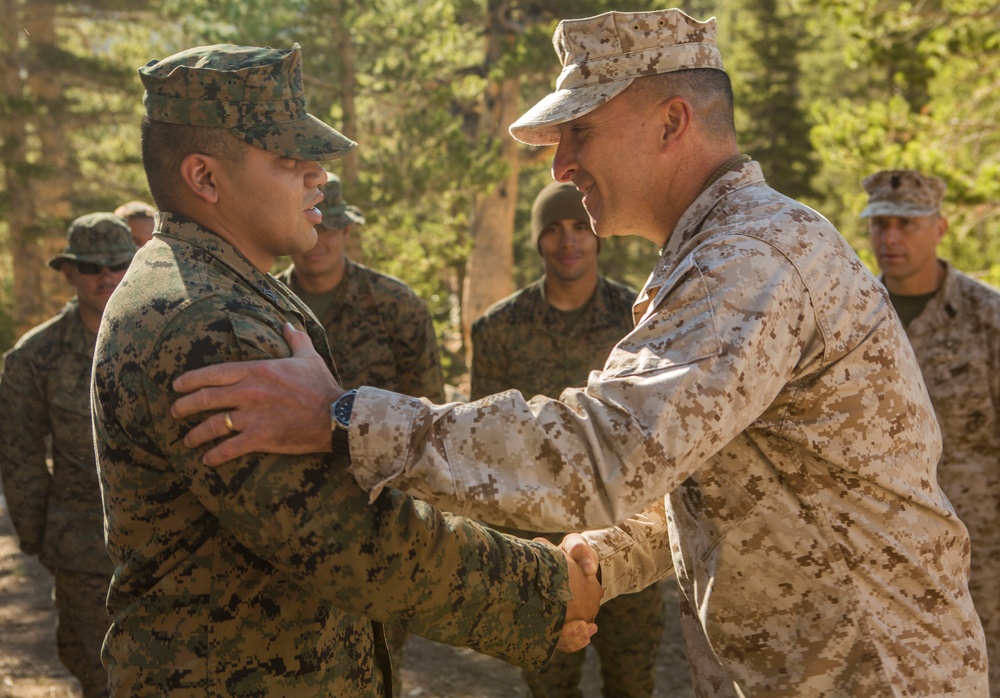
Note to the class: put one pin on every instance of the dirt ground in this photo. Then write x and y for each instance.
(29, 667)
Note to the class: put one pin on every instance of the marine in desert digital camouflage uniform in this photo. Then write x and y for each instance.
(953, 323)
(269, 576)
(766, 416)
(541, 340)
(45, 409)
(380, 331)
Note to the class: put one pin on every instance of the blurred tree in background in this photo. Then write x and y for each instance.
(827, 92)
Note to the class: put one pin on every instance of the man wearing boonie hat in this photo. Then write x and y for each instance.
(766, 414)
(45, 409)
(381, 333)
(267, 576)
(953, 323)
(545, 338)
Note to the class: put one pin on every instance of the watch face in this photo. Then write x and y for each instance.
(343, 407)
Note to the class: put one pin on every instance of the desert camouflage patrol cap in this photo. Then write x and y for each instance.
(98, 238)
(902, 193)
(256, 93)
(337, 213)
(555, 202)
(602, 55)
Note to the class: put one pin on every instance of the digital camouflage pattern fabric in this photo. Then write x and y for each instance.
(902, 193)
(769, 394)
(98, 238)
(602, 55)
(521, 343)
(270, 575)
(957, 342)
(45, 399)
(380, 333)
(256, 93)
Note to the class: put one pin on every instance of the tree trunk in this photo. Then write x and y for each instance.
(36, 153)
(489, 270)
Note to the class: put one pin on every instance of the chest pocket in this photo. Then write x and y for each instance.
(365, 357)
(69, 409)
(679, 329)
(959, 386)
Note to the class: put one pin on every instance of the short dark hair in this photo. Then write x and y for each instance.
(164, 147)
(709, 91)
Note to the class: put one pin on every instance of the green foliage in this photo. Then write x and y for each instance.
(772, 117)
(931, 77)
(827, 93)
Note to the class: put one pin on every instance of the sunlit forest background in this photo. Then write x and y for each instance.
(827, 92)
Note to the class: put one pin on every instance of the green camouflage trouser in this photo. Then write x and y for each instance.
(81, 599)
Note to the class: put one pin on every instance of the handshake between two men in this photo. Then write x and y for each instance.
(282, 406)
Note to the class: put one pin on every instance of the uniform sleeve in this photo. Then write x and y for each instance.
(489, 361)
(704, 363)
(24, 426)
(634, 554)
(399, 559)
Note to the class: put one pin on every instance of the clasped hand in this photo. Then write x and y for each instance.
(586, 590)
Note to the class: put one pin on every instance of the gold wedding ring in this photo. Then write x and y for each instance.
(229, 423)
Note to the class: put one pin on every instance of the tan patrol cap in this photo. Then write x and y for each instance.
(904, 193)
(602, 55)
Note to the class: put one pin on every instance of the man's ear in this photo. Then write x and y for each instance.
(199, 173)
(675, 116)
(942, 227)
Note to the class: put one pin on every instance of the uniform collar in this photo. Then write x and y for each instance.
(735, 175)
(177, 227)
(598, 311)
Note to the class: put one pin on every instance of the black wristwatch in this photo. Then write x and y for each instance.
(340, 410)
(340, 421)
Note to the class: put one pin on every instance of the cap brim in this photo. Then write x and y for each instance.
(341, 216)
(108, 260)
(304, 139)
(895, 208)
(539, 125)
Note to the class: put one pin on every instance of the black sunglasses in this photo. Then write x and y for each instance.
(91, 269)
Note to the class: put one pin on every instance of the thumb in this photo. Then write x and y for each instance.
(299, 342)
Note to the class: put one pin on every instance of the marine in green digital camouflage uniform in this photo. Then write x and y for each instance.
(45, 409)
(380, 331)
(267, 576)
(542, 339)
(953, 323)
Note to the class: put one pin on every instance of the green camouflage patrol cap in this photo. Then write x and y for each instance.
(602, 55)
(256, 93)
(557, 201)
(904, 193)
(337, 213)
(99, 238)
